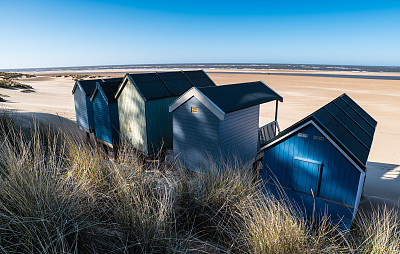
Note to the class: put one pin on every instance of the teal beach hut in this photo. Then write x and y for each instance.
(218, 123)
(320, 161)
(105, 109)
(143, 100)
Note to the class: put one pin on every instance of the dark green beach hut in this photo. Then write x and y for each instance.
(143, 100)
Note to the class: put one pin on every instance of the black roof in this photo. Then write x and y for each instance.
(110, 88)
(151, 86)
(233, 97)
(87, 85)
(345, 122)
(176, 82)
(199, 78)
(158, 85)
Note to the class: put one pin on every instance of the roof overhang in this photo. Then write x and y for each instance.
(280, 97)
(124, 82)
(195, 92)
(122, 86)
(98, 88)
(78, 84)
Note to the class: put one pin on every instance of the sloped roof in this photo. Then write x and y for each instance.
(199, 78)
(87, 86)
(346, 123)
(108, 89)
(176, 82)
(158, 85)
(233, 97)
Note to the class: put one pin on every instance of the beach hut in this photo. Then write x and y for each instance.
(320, 161)
(105, 109)
(143, 100)
(218, 123)
(83, 105)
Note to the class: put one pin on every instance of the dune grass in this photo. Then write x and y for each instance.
(61, 195)
(10, 75)
(8, 83)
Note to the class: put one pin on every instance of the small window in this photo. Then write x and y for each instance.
(302, 135)
(194, 109)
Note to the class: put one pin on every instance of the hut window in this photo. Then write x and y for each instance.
(194, 109)
(319, 138)
(302, 135)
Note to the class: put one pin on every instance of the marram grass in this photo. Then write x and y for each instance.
(60, 195)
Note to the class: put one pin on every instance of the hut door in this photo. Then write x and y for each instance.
(306, 175)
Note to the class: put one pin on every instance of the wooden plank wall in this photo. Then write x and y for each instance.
(132, 118)
(81, 109)
(114, 122)
(90, 113)
(238, 133)
(339, 178)
(102, 119)
(159, 124)
(195, 135)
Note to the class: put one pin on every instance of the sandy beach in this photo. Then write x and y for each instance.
(52, 100)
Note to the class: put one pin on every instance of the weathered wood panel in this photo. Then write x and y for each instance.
(132, 117)
(83, 107)
(195, 135)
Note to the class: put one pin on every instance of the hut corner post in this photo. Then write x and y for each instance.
(276, 115)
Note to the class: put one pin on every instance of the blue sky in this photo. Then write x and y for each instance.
(78, 33)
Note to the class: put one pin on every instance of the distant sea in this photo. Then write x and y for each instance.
(232, 66)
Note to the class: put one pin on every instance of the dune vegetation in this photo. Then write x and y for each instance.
(8, 80)
(61, 195)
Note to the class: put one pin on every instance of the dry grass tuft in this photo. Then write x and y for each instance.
(378, 231)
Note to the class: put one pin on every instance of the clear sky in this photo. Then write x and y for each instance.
(39, 33)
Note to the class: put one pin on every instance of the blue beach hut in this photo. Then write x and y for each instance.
(218, 123)
(83, 105)
(320, 161)
(143, 100)
(105, 109)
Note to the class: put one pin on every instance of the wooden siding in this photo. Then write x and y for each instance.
(195, 135)
(336, 180)
(81, 109)
(314, 208)
(90, 113)
(238, 134)
(132, 117)
(114, 122)
(102, 119)
(159, 124)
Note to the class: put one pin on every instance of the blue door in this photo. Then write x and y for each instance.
(305, 175)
